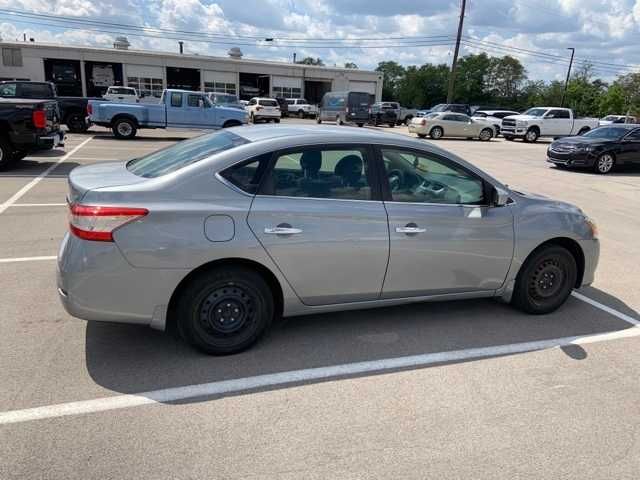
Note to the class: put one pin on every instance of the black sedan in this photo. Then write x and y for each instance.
(601, 149)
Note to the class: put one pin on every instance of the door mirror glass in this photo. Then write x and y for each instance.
(500, 197)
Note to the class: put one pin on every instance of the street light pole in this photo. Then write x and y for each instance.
(452, 75)
(566, 82)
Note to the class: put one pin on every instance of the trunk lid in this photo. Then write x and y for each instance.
(100, 175)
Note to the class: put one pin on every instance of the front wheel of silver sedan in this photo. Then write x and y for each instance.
(545, 281)
(604, 163)
(225, 310)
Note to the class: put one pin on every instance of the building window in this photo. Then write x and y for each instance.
(12, 57)
(220, 87)
(287, 92)
(150, 87)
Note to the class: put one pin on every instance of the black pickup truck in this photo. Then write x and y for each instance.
(25, 126)
(73, 110)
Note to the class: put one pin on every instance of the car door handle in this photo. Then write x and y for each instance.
(410, 230)
(282, 231)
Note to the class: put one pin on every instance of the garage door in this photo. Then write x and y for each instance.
(368, 87)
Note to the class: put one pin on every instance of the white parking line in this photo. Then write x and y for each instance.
(609, 310)
(38, 205)
(310, 374)
(36, 180)
(27, 259)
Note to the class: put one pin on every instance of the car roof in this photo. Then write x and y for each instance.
(628, 126)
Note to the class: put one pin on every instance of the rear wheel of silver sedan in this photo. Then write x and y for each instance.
(486, 134)
(436, 133)
(225, 310)
(545, 280)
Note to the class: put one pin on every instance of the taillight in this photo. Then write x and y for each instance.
(423, 122)
(89, 109)
(258, 108)
(39, 118)
(98, 223)
(346, 110)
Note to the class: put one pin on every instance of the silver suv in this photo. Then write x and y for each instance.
(219, 234)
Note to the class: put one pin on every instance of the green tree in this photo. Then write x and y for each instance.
(311, 61)
(613, 101)
(471, 73)
(504, 79)
(351, 65)
(392, 72)
(630, 85)
(424, 86)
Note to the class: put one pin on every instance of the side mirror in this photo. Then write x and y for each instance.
(499, 197)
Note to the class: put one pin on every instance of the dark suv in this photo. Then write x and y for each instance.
(383, 113)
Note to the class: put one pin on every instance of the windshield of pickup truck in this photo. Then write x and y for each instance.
(184, 153)
(536, 112)
(609, 133)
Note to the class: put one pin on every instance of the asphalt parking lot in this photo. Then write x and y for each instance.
(470, 389)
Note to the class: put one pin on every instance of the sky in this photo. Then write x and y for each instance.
(605, 33)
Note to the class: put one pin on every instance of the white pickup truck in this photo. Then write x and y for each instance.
(301, 108)
(545, 122)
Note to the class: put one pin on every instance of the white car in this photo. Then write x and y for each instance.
(449, 124)
(609, 119)
(545, 122)
(493, 116)
(122, 95)
(301, 108)
(262, 108)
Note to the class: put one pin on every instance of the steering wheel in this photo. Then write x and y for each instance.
(432, 189)
(396, 180)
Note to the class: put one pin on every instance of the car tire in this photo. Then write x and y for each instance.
(392, 125)
(545, 280)
(531, 136)
(76, 123)
(436, 133)
(276, 120)
(508, 138)
(422, 135)
(360, 125)
(407, 120)
(485, 135)
(124, 129)
(604, 163)
(19, 155)
(6, 154)
(318, 120)
(583, 131)
(252, 118)
(339, 120)
(225, 310)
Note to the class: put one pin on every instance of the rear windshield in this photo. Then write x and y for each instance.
(268, 103)
(121, 91)
(184, 153)
(34, 90)
(359, 98)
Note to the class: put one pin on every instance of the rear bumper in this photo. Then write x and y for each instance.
(32, 141)
(95, 282)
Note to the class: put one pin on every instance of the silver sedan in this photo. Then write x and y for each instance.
(438, 125)
(220, 234)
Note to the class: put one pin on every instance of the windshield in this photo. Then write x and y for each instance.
(441, 107)
(610, 118)
(184, 153)
(611, 133)
(536, 112)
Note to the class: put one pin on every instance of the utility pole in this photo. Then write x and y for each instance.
(452, 75)
(566, 82)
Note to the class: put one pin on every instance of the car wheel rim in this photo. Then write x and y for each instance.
(124, 129)
(531, 136)
(605, 163)
(547, 280)
(485, 135)
(226, 311)
(437, 133)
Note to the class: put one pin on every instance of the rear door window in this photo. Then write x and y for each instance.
(268, 103)
(247, 175)
(34, 90)
(8, 90)
(176, 99)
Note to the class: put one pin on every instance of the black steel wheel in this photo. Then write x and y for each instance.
(76, 123)
(225, 310)
(545, 280)
(6, 154)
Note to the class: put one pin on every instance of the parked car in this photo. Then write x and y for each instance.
(601, 149)
(345, 107)
(451, 107)
(264, 109)
(177, 108)
(545, 122)
(219, 234)
(493, 116)
(404, 115)
(225, 100)
(302, 108)
(73, 110)
(449, 124)
(609, 119)
(383, 113)
(122, 95)
(25, 126)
